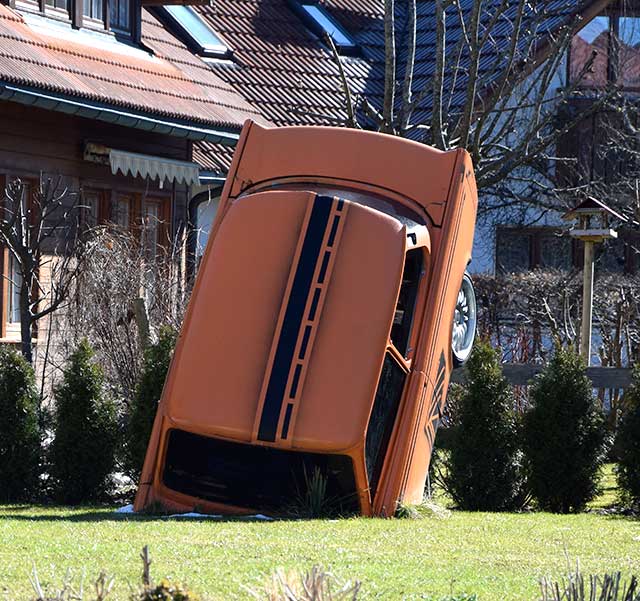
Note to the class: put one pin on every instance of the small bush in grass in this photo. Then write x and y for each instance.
(565, 435)
(628, 443)
(85, 435)
(148, 391)
(20, 445)
(484, 465)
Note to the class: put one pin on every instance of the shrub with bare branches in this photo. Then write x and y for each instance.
(123, 297)
(41, 226)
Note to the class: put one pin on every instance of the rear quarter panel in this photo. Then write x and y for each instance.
(426, 392)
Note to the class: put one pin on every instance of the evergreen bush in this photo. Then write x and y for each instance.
(565, 435)
(20, 444)
(145, 404)
(82, 453)
(628, 443)
(484, 463)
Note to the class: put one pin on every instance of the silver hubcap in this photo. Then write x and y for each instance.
(464, 321)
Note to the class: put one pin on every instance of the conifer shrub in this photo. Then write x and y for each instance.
(82, 453)
(157, 359)
(20, 441)
(484, 464)
(628, 443)
(565, 435)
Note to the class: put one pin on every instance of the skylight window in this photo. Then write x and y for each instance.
(195, 31)
(322, 23)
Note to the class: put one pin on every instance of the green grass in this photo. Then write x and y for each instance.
(609, 493)
(498, 556)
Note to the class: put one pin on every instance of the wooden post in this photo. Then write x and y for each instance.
(587, 302)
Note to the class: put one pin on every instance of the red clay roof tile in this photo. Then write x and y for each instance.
(170, 82)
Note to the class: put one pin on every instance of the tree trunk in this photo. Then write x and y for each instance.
(25, 321)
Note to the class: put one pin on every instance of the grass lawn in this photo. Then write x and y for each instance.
(497, 556)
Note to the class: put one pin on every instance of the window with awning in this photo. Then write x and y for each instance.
(144, 165)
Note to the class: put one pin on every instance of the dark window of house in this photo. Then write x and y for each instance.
(383, 418)
(254, 477)
(618, 255)
(513, 251)
(405, 309)
(93, 9)
(611, 256)
(554, 249)
(61, 4)
(91, 208)
(597, 143)
(120, 15)
(521, 249)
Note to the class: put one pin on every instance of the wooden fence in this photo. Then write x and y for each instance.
(520, 374)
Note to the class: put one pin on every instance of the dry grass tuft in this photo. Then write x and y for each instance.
(315, 585)
(577, 587)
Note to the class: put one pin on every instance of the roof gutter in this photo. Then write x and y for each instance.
(212, 177)
(101, 112)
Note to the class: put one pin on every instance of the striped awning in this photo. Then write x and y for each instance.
(153, 167)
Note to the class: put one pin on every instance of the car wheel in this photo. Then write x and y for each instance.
(464, 322)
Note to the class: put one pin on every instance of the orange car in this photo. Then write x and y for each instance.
(319, 335)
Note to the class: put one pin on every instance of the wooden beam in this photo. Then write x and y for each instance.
(521, 374)
(77, 13)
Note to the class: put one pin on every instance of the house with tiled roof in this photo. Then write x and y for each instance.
(105, 96)
(282, 64)
(140, 104)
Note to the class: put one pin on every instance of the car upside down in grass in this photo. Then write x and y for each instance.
(330, 306)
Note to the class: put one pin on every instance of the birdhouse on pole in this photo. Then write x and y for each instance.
(592, 220)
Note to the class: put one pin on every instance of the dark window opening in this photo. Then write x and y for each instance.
(93, 9)
(522, 249)
(617, 255)
(120, 15)
(383, 418)
(405, 309)
(254, 477)
(61, 4)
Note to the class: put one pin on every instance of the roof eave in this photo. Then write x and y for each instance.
(117, 116)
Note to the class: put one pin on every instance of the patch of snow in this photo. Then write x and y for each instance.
(193, 514)
(201, 516)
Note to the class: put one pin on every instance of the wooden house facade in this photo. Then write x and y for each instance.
(111, 102)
